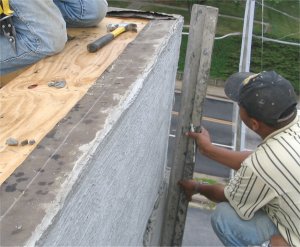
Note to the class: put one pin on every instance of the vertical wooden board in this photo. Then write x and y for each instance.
(197, 65)
(29, 108)
(208, 34)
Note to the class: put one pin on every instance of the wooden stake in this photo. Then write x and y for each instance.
(196, 74)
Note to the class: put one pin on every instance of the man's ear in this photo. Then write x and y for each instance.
(255, 125)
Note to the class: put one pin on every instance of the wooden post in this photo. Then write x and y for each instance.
(196, 74)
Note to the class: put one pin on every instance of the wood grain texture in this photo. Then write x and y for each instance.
(29, 108)
(4, 79)
(196, 71)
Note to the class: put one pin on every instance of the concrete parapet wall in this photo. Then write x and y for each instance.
(114, 199)
(107, 157)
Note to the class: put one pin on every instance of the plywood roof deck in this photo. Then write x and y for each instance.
(29, 108)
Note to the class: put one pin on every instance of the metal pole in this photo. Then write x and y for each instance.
(244, 66)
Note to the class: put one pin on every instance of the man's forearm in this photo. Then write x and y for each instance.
(229, 158)
(214, 192)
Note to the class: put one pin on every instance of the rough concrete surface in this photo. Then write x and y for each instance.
(95, 178)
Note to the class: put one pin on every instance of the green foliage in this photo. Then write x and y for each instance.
(206, 180)
(183, 47)
(282, 23)
(269, 1)
(272, 56)
(226, 25)
(284, 59)
(226, 54)
(228, 8)
(225, 57)
(118, 4)
(267, 56)
(169, 10)
(190, 3)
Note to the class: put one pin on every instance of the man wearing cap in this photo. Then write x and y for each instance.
(261, 203)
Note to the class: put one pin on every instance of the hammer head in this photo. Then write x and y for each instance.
(128, 26)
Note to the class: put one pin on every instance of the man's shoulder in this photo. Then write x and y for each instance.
(291, 130)
(279, 148)
(276, 160)
(289, 134)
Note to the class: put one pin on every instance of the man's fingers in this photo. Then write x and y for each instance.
(203, 129)
(185, 190)
(192, 134)
(182, 183)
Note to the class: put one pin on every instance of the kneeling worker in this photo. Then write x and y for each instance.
(34, 29)
(261, 203)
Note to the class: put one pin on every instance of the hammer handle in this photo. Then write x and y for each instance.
(99, 43)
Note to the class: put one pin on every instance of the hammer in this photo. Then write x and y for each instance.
(115, 31)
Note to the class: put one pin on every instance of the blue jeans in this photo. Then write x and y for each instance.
(41, 28)
(234, 231)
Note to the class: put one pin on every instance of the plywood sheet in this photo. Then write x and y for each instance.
(9, 77)
(29, 108)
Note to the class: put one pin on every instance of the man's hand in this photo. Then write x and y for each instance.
(213, 192)
(189, 188)
(278, 240)
(202, 139)
(229, 158)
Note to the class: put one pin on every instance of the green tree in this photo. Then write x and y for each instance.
(190, 3)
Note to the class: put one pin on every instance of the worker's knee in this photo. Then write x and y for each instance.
(53, 35)
(30, 49)
(41, 31)
(54, 44)
(224, 221)
(45, 39)
(233, 230)
(46, 45)
(219, 218)
(88, 14)
(97, 12)
(40, 27)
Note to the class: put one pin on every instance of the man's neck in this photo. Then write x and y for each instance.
(266, 130)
